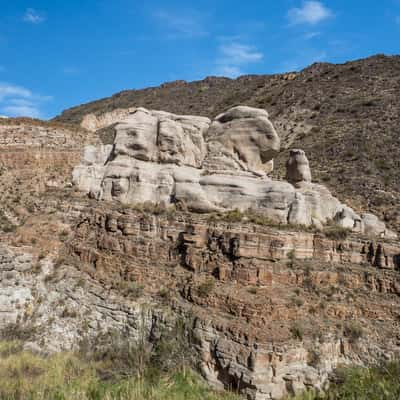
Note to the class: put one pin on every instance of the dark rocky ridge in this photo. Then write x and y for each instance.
(346, 117)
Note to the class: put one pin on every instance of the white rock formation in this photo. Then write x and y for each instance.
(210, 166)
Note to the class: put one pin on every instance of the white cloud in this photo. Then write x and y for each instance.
(189, 23)
(18, 101)
(34, 17)
(236, 53)
(8, 90)
(229, 71)
(22, 111)
(311, 12)
(233, 56)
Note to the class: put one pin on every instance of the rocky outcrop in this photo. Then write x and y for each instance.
(209, 166)
(298, 167)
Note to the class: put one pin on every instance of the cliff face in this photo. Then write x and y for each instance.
(271, 312)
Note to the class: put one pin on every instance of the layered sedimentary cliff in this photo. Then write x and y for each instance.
(246, 288)
(274, 294)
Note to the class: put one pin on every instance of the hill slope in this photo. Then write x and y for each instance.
(346, 117)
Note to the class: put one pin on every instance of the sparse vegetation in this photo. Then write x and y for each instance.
(205, 288)
(5, 224)
(297, 331)
(254, 217)
(336, 232)
(353, 331)
(380, 382)
(68, 376)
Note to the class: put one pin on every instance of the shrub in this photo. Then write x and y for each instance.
(314, 358)
(18, 331)
(297, 301)
(291, 255)
(353, 331)
(164, 293)
(297, 331)
(252, 290)
(336, 232)
(205, 288)
(132, 289)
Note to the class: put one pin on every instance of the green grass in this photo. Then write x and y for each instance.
(376, 383)
(68, 376)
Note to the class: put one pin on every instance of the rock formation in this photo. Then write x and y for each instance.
(298, 167)
(268, 308)
(210, 166)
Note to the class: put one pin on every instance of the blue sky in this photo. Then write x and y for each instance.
(55, 54)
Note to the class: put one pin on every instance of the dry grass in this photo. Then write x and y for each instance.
(67, 376)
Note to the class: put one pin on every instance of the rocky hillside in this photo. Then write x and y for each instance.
(346, 117)
(151, 226)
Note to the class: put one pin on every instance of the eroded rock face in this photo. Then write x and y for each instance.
(208, 166)
(298, 167)
(248, 134)
(238, 335)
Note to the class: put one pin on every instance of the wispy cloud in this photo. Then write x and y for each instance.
(22, 111)
(17, 101)
(182, 23)
(8, 90)
(234, 56)
(311, 12)
(33, 17)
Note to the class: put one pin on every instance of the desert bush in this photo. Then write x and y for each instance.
(132, 289)
(353, 331)
(205, 288)
(297, 331)
(336, 232)
(18, 331)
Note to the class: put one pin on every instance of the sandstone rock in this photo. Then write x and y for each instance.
(372, 226)
(347, 218)
(209, 166)
(298, 167)
(89, 175)
(248, 134)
